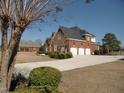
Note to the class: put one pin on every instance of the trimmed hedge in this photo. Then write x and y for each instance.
(68, 55)
(54, 54)
(45, 76)
(58, 55)
(61, 56)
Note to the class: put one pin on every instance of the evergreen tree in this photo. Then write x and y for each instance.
(110, 42)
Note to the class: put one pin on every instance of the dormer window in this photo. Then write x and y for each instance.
(93, 39)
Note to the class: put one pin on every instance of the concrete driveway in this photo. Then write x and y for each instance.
(66, 64)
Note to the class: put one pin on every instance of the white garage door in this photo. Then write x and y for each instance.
(73, 51)
(87, 51)
(81, 51)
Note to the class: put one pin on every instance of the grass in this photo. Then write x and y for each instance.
(104, 78)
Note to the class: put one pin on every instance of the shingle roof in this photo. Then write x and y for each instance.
(75, 32)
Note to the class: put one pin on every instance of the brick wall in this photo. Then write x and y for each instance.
(59, 39)
(81, 44)
(28, 49)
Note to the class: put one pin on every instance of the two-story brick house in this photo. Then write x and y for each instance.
(74, 39)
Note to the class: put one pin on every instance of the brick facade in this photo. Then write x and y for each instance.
(60, 42)
(28, 49)
(82, 44)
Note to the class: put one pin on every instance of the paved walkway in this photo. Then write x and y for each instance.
(66, 64)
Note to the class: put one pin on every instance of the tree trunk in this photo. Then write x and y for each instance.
(4, 28)
(4, 73)
(9, 59)
(4, 56)
(13, 49)
(107, 48)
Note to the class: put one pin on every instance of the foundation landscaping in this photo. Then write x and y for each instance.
(56, 55)
(40, 80)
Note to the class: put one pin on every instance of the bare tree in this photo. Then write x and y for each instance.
(5, 14)
(17, 15)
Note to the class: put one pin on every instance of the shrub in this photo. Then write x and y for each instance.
(40, 52)
(58, 55)
(43, 76)
(46, 53)
(68, 55)
(54, 55)
(96, 52)
(61, 56)
(42, 48)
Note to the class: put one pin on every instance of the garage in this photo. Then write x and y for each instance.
(73, 51)
(87, 51)
(81, 51)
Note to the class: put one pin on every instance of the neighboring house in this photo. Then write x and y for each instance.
(74, 39)
(29, 47)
